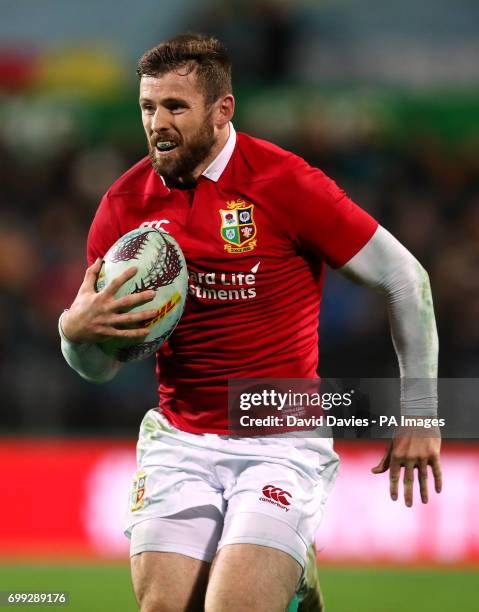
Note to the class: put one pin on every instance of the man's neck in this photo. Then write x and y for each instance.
(222, 136)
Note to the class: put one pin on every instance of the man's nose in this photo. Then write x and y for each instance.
(160, 120)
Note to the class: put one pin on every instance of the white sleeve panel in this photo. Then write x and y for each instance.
(385, 265)
(89, 361)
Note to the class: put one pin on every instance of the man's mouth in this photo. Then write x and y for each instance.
(165, 146)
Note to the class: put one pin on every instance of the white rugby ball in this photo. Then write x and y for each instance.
(161, 267)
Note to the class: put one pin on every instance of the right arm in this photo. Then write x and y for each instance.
(95, 317)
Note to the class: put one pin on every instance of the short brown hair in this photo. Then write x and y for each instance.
(196, 51)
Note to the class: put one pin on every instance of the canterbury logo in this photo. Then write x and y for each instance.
(276, 494)
(156, 224)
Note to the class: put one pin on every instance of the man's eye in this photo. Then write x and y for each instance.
(147, 108)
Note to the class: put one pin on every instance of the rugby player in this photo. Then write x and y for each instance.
(257, 225)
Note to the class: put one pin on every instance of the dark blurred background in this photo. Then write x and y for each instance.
(383, 97)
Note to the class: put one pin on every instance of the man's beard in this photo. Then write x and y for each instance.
(178, 170)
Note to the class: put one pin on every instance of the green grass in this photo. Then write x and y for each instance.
(399, 590)
(105, 588)
(92, 588)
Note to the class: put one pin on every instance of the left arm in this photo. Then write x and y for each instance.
(322, 220)
(384, 265)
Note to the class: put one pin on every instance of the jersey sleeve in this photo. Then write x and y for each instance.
(324, 221)
(103, 231)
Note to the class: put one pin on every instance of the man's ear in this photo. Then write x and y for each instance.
(225, 108)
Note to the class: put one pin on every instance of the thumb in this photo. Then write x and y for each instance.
(92, 273)
(383, 465)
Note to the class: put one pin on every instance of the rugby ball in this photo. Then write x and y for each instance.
(161, 267)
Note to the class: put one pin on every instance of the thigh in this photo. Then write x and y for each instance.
(174, 473)
(171, 557)
(194, 532)
(273, 508)
(169, 582)
(251, 577)
(275, 505)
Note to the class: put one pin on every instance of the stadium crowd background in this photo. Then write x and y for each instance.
(384, 100)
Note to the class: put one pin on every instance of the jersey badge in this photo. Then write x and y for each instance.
(238, 228)
(138, 492)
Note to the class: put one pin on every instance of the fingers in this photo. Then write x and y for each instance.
(422, 475)
(96, 316)
(413, 452)
(135, 299)
(394, 474)
(436, 470)
(123, 303)
(113, 332)
(408, 479)
(129, 325)
(408, 483)
(112, 287)
(131, 318)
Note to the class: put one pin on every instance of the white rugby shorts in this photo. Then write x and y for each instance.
(194, 493)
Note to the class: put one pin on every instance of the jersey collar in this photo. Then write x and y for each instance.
(217, 166)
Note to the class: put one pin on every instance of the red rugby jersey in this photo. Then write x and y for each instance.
(255, 242)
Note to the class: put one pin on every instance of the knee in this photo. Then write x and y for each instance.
(241, 597)
(241, 602)
(150, 598)
(158, 603)
(154, 603)
(154, 600)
